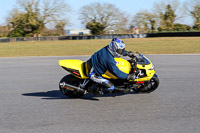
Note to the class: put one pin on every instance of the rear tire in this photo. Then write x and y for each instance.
(70, 79)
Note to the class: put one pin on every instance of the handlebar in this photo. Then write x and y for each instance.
(134, 61)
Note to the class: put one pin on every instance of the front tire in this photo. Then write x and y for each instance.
(149, 86)
(70, 79)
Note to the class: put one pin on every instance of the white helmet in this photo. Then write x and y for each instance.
(116, 47)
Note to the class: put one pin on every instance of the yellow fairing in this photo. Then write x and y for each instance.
(149, 71)
(122, 64)
(76, 68)
(76, 65)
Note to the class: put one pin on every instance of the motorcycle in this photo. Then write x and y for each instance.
(76, 84)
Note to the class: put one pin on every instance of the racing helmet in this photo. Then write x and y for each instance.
(116, 47)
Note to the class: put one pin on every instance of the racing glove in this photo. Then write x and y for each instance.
(130, 54)
(131, 77)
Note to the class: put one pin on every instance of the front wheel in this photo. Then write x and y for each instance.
(149, 86)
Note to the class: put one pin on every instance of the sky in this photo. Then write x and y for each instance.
(130, 7)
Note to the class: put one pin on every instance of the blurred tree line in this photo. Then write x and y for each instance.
(163, 16)
(32, 18)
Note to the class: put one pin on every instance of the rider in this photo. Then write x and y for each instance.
(103, 60)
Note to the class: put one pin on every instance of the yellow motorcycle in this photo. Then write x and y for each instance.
(77, 83)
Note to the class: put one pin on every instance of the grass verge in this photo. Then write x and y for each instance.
(167, 45)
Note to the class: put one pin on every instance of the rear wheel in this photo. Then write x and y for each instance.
(70, 79)
(149, 86)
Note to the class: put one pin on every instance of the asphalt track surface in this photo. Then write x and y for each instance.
(30, 101)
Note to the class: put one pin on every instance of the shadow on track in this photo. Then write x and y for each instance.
(56, 94)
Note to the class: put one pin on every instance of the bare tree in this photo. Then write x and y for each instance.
(145, 20)
(167, 11)
(108, 15)
(193, 9)
(39, 13)
(160, 7)
(48, 10)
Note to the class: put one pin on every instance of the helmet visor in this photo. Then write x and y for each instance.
(120, 51)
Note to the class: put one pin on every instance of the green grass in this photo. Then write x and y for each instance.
(175, 45)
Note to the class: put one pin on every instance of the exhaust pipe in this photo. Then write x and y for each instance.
(72, 88)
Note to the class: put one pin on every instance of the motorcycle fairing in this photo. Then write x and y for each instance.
(146, 65)
(75, 67)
